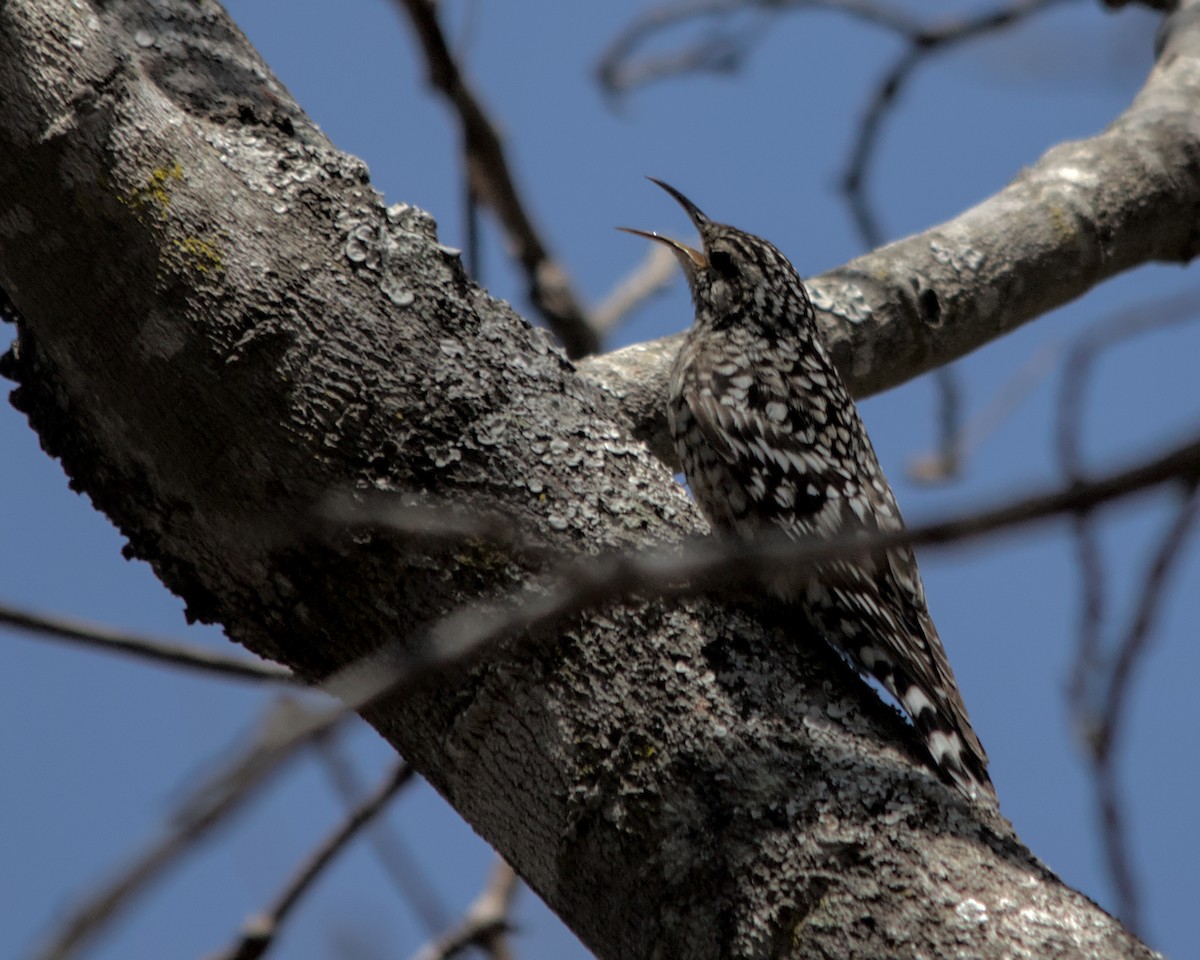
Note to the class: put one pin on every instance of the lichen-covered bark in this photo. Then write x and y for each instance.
(221, 323)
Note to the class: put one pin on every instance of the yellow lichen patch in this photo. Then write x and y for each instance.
(156, 194)
(483, 556)
(200, 253)
(1063, 223)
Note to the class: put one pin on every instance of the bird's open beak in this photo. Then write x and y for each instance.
(689, 258)
(695, 214)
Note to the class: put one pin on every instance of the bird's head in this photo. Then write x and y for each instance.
(736, 277)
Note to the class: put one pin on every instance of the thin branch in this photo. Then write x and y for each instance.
(1146, 317)
(653, 275)
(433, 522)
(923, 41)
(1089, 661)
(1132, 648)
(473, 252)
(390, 849)
(949, 400)
(1099, 684)
(259, 932)
(1090, 666)
(468, 632)
(717, 51)
(486, 922)
(957, 443)
(1131, 651)
(619, 72)
(212, 803)
(1161, 5)
(148, 648)
(492, 181)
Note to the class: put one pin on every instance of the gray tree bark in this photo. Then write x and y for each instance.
(220, 323)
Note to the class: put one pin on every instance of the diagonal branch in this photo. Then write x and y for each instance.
(470, 632)
(923, 42)
(487, 921)
(1130, 653)
(620, 71)
(212, 804)
(1100, 680)
(654, 274)
(260, 931)
(492, 181)
(148, 648)
(390, 850)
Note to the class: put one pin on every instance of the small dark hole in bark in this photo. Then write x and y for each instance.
(931, 307)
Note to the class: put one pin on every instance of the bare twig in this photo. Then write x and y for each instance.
(213, 803)
(1090, 665)
(491, 181)
(260, 931)
(619, 72)
(1089, 661)
(923, 41)
(652, 275)
(1137, 636)
(586, 583)
(958, 442)
(1148, 4)
(948, 391)
(486, 923)
(1100, 682)
(432, 521)
(473, 251)
(148, 648)
(1111, 717)
(1145, 317)
(390, 850)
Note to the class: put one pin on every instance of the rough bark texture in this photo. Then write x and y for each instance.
(220, 323)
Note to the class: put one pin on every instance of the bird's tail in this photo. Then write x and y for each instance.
(952, 744)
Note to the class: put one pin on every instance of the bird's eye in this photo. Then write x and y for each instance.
(722, 262)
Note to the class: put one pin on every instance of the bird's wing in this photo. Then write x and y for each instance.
(773, 448)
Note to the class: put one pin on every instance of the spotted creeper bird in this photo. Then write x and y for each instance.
(770, 440)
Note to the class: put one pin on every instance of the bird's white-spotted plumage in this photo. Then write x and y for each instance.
(770, 440)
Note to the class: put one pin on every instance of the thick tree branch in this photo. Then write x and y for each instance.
(222, 324)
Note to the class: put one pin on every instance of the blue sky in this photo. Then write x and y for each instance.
(95, 748)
